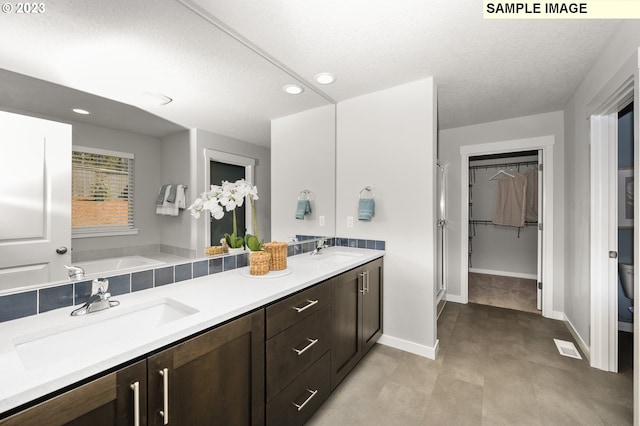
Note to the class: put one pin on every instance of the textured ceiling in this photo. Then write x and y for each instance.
(485, 70)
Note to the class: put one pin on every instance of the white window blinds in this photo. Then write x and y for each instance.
(102, 191)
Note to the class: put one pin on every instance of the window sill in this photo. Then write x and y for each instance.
(104, 234)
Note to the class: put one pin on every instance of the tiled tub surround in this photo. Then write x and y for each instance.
(218, 291)
(67, 294)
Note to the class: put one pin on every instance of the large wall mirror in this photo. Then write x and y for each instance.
(117, 59)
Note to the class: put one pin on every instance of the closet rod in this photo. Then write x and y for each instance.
(490, 222)
(503, 165)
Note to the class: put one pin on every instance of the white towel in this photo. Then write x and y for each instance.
(510, 202)
(172, 209)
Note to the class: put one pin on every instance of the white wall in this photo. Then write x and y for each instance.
(387, 140)
(612, 62)
(199, 140)
(303, 150)
(451, 140)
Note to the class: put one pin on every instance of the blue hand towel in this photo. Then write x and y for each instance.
(366, 209)
(303, 208)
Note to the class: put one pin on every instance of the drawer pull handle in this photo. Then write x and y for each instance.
(364, 288)
(309, 398)
(307, 306)
(303, 350)
(165, 395)
(135, 387)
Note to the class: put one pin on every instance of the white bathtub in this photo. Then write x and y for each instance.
(116, 265)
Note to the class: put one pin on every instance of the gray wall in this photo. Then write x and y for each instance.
(303, 150)
(612, 63)
(387, 140)
(175, 166)
(147, 151)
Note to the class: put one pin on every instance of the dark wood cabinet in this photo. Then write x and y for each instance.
(356, 300)
(372, 304)
(109, 400)
(216, 378)
(298, 355)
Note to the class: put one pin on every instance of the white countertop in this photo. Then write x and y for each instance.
(211, 300)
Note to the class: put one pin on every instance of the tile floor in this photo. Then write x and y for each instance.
(495, 367)
(505, 292)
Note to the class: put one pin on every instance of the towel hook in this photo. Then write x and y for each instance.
(303, 194)
(367, 189)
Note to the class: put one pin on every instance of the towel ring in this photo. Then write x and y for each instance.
(367, 189)
(303, 194)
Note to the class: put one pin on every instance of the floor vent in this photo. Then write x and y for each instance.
(567, 349)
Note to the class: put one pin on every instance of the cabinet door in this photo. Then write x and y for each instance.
(107, 401)
(346, 306)
(372, 304)
(216, 378)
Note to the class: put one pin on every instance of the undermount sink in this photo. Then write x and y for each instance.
(86, 335)
(336, 257)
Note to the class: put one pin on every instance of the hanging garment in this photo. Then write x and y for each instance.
(510, 201)
(531, 214)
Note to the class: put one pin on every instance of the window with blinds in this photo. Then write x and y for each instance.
(101, 192)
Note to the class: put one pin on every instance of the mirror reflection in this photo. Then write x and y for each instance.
(163, 151)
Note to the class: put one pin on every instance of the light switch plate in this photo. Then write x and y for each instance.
(349, 221)
(321, 219)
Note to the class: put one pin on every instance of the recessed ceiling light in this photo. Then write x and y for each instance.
(325, 78)
(80, 111)
(293, 89)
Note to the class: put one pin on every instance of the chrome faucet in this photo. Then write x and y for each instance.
(99, 299)
(322, 244)
(75, 272)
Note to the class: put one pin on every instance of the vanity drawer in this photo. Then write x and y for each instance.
(295, 349)
(308, 391)
(284, 314)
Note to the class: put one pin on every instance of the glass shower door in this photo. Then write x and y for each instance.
(441, 286)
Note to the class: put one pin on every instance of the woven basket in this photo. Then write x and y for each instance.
(259, 262)
(214, 250)
(278, 253)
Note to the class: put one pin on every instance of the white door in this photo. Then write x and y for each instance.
(35, 200)
(540, 225)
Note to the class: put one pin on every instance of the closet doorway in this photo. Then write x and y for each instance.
(504, 236)
(473, 256)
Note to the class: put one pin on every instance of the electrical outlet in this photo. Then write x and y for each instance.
(321, 219)
(349, 221)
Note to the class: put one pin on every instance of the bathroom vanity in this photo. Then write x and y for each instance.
(228, 348)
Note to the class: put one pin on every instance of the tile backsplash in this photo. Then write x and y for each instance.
(33, 302)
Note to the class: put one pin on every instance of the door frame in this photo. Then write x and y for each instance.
(544, 143)
(603, 121)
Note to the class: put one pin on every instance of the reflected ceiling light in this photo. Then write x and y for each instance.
(325, 78)
(155, 99)
(293, 89)
(81, 111)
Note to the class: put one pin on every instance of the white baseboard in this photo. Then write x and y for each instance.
(627, 327)
(426, 351)
(455, 298)
(504, 273)
(557, 315)
(576, 335)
